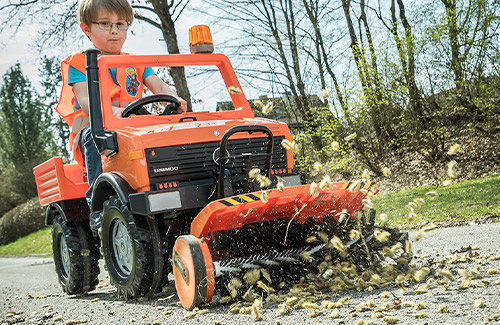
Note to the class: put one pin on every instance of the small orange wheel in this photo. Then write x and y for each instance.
(193, 271)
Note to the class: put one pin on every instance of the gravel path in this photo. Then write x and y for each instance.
(30, 294)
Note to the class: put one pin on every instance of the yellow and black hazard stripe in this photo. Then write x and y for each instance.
(240, 199)
(364, 185)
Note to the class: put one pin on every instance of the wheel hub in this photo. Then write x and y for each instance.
(123, 248)
(63, 247)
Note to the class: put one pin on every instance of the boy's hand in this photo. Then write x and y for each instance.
(117, 111)
(183, 107)
(157, 86)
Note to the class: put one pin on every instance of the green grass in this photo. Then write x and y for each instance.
(36, 243)
(462, 200)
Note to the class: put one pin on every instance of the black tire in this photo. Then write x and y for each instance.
(132, 250)
(167, 241)
(76, 256)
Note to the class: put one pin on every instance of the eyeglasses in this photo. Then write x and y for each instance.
(107, 25)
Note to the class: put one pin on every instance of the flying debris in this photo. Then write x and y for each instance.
(351, 136)
(335, 146)
(234, 90)
(453, 149)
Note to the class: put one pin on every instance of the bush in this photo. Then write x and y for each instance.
(21, 221)
(8, 201)
(17, 185)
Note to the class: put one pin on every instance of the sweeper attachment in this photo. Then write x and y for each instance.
(283, 234)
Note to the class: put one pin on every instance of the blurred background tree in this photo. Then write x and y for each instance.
(25, 136)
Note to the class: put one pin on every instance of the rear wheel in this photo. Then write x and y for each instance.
(193, 271)
(76, 256)
(132, 250)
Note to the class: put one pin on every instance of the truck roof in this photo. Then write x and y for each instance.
(242, 108)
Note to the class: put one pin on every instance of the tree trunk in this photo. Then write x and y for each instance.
(297, 88)
(407, 60)
(312, 12)
(457, 59)
(361, 64)
(383, 122)
(168, 30)
(451, 18)
(323, 57)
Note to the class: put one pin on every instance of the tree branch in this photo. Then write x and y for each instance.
(181, 10)
(147, 20)
(144, 8)
(17, 5)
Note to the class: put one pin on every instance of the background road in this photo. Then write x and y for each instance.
(30, 293)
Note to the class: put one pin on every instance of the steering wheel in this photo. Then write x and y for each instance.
(136, 107)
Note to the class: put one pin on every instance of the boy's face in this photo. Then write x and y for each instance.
(108, 41)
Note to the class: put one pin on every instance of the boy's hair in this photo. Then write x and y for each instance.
(88, 10)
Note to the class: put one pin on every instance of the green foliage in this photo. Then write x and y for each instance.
(334, 161)
(38, 242)
(477, 39)
(23, 133)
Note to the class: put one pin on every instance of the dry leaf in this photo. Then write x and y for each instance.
(443, 309)
(263, 196)
(391, 319)
(386, 171)
(313, 189)
(453, 149)
(325, 182)
(350, 137)
(258, 103)
(431, 195)
(234, 90)
(447, 182)
(381, 235)
(479, 303)
(267, 108)
(452, 169)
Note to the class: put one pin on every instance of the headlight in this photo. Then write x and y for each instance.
(164, 201)
(292, 180)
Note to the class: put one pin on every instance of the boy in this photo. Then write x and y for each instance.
(105, 23)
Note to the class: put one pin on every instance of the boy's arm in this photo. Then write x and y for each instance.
(82, 97)
(157, 86)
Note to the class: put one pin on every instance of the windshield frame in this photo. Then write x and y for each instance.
(110, 122)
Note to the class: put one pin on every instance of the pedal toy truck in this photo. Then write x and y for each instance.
(178, 192)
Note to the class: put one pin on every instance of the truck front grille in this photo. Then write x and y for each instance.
(195, 161)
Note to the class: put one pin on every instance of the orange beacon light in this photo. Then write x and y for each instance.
(200, 39)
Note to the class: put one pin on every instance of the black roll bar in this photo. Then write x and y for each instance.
(105, 141)
(222, 152)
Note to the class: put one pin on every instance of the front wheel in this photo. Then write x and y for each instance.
(131, 251)
(76, 256)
